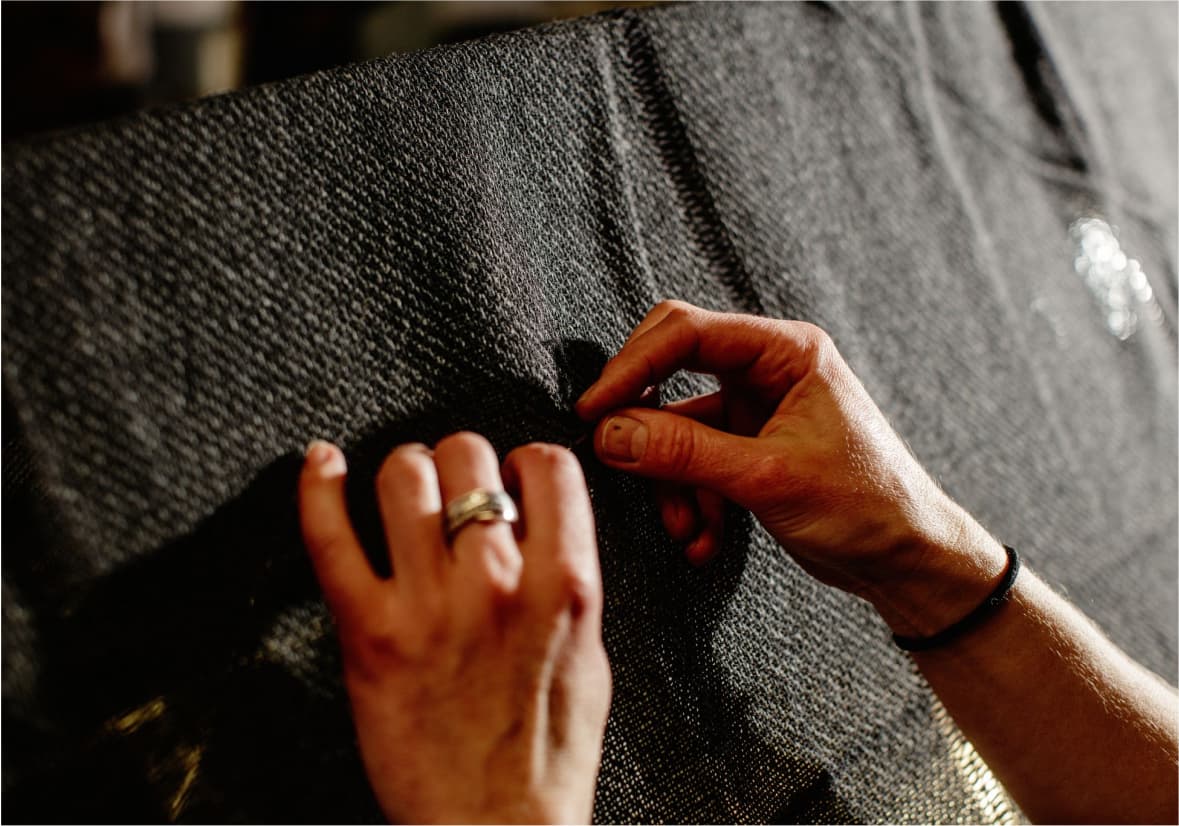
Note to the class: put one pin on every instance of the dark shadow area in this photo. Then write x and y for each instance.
(158, 666)
(165, 692)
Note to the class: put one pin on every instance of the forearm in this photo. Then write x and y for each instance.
(1074, 729)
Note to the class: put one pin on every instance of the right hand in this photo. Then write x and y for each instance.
(793, 437)
(477, 676)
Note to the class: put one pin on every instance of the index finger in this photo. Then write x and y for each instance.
(768, 355)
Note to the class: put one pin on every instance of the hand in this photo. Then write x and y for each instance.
(477, 676)
(793, 437)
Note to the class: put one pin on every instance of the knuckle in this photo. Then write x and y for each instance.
(464, 441)
(815, 337)
(372, 648)
(680, 314)
(568, 588)
(548, 458)
(499, 596)
(662, 308)
(675, 449)
(400, 463)
(370, 658)
(499, 563)
(500, 590)
(582, 596)
(669, 305)
(580, 591)
(380, 645)
(814, 345)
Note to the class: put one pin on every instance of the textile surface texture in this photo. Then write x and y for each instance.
(459, 238)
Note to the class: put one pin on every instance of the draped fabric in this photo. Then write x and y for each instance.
(459, 238)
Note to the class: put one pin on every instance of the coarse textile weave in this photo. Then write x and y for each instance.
(458, 239)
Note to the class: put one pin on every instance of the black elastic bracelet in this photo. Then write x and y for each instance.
(972, 620)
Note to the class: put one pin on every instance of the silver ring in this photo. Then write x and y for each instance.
(479, 505)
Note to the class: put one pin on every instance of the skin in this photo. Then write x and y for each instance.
(477, 677)
(1075, 730)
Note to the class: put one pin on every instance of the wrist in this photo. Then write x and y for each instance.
(952, 565)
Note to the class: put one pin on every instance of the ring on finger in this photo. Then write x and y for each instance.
(478, 505)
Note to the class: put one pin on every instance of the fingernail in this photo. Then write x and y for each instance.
(326, 458)
(624, 439)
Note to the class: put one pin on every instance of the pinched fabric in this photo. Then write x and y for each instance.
(458, 239)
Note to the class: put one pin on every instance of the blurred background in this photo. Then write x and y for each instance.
(66, 64)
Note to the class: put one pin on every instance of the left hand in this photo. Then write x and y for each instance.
(477, 676)
(793, 437)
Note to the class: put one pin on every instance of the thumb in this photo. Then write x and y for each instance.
(662, 445)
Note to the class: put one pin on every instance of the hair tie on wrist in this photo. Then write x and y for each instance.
(972, 620)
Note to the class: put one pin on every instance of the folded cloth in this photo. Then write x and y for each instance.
(458, 239)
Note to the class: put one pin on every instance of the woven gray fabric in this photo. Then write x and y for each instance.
(457, 239)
